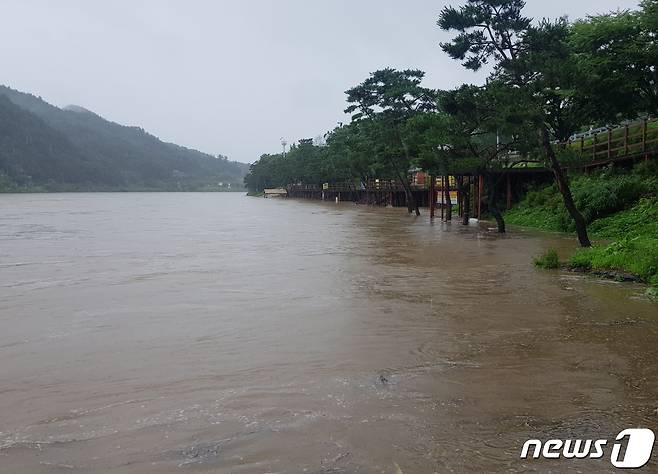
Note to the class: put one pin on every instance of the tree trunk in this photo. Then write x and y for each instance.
(411, 200)
(565, 190)
(414, 204)
(447, 203)
(464, 196)
(491, 202)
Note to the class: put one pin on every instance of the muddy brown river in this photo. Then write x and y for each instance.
(173, 333)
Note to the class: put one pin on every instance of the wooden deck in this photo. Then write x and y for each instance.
(631, 142)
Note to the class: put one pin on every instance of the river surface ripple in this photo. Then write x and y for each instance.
(165, 332)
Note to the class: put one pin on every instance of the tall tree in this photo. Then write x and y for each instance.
(497, 30)
(388, 98)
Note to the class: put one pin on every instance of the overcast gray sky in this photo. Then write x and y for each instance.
(228, 76)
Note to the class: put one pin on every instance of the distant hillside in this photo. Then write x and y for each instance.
(43, 146)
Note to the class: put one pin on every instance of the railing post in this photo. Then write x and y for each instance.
(480, 193)
(594, 147)
(432, 195)
(459, 197)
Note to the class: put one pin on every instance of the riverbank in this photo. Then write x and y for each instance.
(621, 209)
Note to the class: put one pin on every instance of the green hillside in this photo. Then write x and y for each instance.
(44, 147)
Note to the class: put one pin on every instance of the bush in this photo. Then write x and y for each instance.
(597, 196)
(602, 196)
(582, 259)
(548, 260)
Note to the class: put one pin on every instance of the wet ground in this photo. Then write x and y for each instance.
(176, 333)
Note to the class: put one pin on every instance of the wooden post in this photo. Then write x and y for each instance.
(480, 194)
(626, 140)
(459, 197)
(594, 147)
(582, 145)
(442, 203)
(472, 188)
(432, 195)
(449, 201)
(471, 196)
(609, 143)
(474, 193)
(509, 192)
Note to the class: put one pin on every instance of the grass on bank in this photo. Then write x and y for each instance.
(548, 260)
(621, 209)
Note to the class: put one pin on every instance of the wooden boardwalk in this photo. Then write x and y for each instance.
(630, 142)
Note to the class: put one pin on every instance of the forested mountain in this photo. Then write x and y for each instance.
(43, 146)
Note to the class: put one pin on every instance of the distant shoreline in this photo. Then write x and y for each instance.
(63, 191)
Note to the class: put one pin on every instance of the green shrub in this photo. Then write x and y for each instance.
(548, 260)
(596, 195)
(600, 197)
(582, 259)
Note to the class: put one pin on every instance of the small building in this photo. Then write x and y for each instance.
(275, 192)
(418, 177)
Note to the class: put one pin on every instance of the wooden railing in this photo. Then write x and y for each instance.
(303, 187)
(375, 185)
(635, 139)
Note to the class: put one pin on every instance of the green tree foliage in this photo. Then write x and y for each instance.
(486, 30)
(387, 99)
(615, 57)
(305, 163)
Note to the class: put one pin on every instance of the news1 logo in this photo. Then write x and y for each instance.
(639, 445)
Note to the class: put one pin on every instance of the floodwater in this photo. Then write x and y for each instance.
(144, 333)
